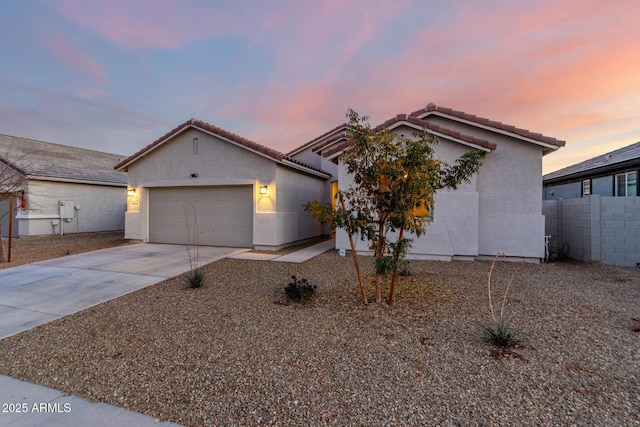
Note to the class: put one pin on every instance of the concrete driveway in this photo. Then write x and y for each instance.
(34, 294)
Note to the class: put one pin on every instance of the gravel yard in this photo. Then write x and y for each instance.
(26, 250)
(232, 353)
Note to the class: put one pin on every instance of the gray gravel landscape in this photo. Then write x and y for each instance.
(236, 353)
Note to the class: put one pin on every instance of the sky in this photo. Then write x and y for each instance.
(115, 75)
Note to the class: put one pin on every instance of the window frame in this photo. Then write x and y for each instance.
(586, 187)
(616, 184)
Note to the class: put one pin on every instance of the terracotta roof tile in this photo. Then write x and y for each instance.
(318, 138)
(422, 123)
(433, 108)
(330, 141)
(254, 146)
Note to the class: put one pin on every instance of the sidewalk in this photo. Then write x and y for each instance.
(26, 404)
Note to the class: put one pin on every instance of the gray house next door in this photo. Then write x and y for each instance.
(224, 215)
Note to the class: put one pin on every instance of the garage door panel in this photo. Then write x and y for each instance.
(224, 215)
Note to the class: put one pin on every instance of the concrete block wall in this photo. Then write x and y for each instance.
(597, 228)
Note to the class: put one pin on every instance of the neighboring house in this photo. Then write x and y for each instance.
(59, 189)
(200, 184)
(611, 174)
(499, 211)
(592, 208)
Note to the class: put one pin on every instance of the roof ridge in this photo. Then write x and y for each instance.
(431, 107)
(317, 138)
(247, 143)
(419, 122)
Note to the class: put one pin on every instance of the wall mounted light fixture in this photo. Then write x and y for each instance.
(131, 192)
(264, 190)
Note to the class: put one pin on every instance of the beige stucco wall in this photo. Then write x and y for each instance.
(500, 210)
(295, 190)
(219, 162)
(509, 206)
(454, 228)
(101, 208)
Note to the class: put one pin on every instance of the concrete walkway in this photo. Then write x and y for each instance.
(299, 256)
(34, 294)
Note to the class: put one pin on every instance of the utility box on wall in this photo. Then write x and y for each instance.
(66, 210)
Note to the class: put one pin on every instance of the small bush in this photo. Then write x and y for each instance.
(195, 278)
(405, 270)
(299, 290)
(502, 333)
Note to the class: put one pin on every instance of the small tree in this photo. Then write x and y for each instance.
(395, 179)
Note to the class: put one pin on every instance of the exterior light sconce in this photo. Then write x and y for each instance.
(194, 175)
(264, 190)
(131, 192)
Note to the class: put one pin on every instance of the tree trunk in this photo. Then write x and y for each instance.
(395, 271)
(355, 255)
(2, 258)
(379, 256)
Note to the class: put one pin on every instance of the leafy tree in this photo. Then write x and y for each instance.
(395, 179)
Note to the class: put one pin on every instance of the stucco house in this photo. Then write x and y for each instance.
(202, 184)
(500, 210)
(613, 174)
(244, 194)
(58, 189)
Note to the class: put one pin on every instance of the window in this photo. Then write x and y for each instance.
(627, 184)
(195, 145)
(586, 187)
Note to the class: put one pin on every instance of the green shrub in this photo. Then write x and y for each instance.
(405, 269)
(502, 333)
(195, 278)
(299, 290)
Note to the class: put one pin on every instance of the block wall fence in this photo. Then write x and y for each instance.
(595, 228)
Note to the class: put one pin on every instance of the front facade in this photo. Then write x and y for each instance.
(58, 189)
(200, 184)
(499, 211)
(613, 174)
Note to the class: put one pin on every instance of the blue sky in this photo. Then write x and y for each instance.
(116, 75)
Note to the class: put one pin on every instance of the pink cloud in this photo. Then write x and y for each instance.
(74, 58)
(143, 23)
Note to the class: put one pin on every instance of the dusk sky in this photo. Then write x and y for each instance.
(116, 75)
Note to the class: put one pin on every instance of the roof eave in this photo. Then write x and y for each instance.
(594, 172)
(549, 147)
(297, 166)
(76, 181)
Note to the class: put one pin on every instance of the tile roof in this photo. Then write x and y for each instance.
(605, 161)
(60, 162)
(479, 142)
(199, 124)
(318, 138)
(434, 109)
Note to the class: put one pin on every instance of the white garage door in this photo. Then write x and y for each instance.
(224, 215)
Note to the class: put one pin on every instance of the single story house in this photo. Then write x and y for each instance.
(244, 194)
(611, 174)
(200, 184)
(58, 189)
(500, 210)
